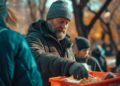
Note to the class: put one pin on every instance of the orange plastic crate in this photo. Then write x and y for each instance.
(59, 81)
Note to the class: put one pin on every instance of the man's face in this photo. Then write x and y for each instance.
(60, 26)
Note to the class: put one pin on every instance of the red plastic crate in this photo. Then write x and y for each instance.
(59, 81)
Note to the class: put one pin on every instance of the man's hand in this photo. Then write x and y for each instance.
(78, 71)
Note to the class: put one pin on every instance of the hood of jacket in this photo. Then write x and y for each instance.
(2, 23)
(42, 27)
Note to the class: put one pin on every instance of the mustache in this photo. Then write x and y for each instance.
(61, 30)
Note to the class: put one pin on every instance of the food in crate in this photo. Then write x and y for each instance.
(90, 79)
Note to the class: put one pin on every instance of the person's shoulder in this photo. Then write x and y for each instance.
(12, 33)
(35, 26)
(41, 21)
(38, 22)
(11, 38)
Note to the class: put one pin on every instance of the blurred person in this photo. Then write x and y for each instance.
(17, 65)
(98, 53)
(52, 46)
(118, 61)
(83, 54)
(107, 46)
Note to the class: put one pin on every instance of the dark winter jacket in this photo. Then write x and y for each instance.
(118, 59)
(91, 62)
(118, 62)
(17, 65)
(97, 53)
(49, 52)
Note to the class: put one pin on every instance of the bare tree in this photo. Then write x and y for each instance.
(106, 23)
(33, 10)
(83, 29)
(42, 8)
(78, 7)
(107, 29)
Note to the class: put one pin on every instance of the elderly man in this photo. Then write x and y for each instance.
(51, 46)
(17, 65)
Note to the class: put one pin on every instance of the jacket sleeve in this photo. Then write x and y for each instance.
(49, 63)
(96, 65)
(17, 65)
(1, 82)
(26, 66)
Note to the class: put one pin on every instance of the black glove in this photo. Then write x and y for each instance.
(78, 71)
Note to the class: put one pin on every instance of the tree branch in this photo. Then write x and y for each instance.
(98, 15)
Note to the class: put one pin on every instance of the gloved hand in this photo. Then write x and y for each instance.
(78, 71)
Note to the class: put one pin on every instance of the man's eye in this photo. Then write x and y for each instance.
(61, 22)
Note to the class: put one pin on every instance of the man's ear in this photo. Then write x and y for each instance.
(11, 19)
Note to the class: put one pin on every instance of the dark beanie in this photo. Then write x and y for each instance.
(3, 9)
(82, 43)
(59, 9)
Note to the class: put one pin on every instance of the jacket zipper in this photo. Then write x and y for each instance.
(62, 50)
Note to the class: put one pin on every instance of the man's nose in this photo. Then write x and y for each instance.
(63, 26)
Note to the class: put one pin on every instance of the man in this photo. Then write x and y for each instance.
(17, 65)
(83, 54)
(52, 47)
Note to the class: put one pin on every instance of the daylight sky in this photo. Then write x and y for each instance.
(93, 4)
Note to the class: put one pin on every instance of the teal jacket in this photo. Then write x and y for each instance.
(17, 65)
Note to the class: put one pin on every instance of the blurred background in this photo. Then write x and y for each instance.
(97, 20)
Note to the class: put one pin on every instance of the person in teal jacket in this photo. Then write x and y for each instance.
(17, 65)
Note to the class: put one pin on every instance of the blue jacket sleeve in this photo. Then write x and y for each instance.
(1, 82)
(30, 76)
(17, 65)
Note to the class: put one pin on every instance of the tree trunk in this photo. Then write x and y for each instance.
(42, 8)
(78, 13)
(97, 16)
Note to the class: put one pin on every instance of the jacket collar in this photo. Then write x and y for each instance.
(42, 27)
(2, 23)
(66, 42)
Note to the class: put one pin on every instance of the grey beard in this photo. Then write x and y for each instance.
(59, 35)
(51, 28)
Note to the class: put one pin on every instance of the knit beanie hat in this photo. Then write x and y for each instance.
(82, 43)
(59, 9)
(3, 9)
